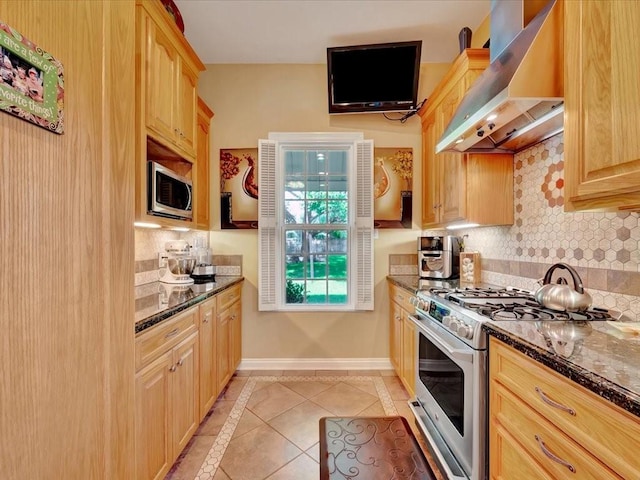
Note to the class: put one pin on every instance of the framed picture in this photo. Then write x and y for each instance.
(238, 188)
(392, 187)
(31, 81)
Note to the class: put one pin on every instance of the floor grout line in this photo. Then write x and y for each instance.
(212, 461)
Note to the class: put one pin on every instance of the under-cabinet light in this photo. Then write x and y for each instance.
(146, 225)
(462, 225)
(493, 116)
(180, 229)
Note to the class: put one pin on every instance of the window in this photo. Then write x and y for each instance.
(315, 222)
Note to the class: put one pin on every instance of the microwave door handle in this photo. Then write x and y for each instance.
(190, 190)
(464, 355)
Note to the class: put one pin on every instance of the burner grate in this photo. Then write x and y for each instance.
(512, 304)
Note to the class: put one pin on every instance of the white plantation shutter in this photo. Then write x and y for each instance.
(363, 244)
(267, 225)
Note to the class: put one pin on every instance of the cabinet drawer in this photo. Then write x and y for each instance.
(607, 431)
(156, 340)
(228, 297)
(554, 451)
(230, 314)
(401, 297)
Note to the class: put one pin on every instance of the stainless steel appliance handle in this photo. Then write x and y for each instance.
(443, 463)
(464, 355)
(553, 457)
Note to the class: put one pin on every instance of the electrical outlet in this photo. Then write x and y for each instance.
(162, 260)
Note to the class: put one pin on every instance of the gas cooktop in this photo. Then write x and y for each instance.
(513, 304)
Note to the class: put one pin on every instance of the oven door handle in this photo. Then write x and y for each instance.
(464, 355)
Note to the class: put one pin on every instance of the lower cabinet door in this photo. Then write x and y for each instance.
(208, 384)
(408, 355)
(236, 336)
(153, 435)
(223, 348)
(184, 379)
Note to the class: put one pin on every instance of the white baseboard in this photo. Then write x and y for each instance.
(315, 364)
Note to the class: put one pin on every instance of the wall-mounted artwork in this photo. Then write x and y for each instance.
(31, 81)
(239, 188)
(392, 188)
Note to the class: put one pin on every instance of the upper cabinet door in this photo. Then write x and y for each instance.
(161, 73)
(602, 94)
(186, 107)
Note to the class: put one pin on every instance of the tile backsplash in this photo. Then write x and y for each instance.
(150, 242)
(603, 247)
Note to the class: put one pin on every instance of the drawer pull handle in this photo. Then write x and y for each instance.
(172, 368)
(548, 401)
(553, 457)
(172, 333)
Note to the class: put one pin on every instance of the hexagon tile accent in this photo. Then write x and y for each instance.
(543, 233)
(552, 186)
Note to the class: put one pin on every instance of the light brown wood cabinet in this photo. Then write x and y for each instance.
(208, 368)
(602, 73)
(167, 71)
(220, 343)
(229, 334)
(456, 187)
(170, 71)
(201, 206)
(543, 425)
(166, 393)
(402, 337)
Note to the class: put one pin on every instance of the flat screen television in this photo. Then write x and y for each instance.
(381, 77)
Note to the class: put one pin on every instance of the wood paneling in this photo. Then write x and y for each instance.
(66, 213)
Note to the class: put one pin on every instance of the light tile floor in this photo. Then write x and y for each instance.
(264, 425)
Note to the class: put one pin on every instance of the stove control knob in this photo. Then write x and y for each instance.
(465, 331)
(421, 304)
(453, 323)
(446, 320)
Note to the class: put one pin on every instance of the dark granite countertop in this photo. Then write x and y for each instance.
(606, 360)
(413, 283)
(158, 301)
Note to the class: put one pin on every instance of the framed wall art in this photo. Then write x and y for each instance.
(392, 187)
(238, 188)
(31, 81)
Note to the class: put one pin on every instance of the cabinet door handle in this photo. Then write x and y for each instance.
(397, 317)
(205, 320)
(172, 368)
(557, 405)
(180, 362)
(172, 333)
(553, 457)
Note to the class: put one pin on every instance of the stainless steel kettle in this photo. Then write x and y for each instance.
(560, 296)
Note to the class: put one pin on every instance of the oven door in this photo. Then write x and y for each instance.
(445, 391)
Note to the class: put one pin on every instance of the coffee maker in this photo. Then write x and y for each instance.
(176, 263)
(439, 257)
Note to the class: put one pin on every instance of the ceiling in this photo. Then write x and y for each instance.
(299, 31)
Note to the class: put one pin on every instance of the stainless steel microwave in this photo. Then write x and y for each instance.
(168, 193)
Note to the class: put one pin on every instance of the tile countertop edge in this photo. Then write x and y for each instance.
(625, 399)
(152, 320)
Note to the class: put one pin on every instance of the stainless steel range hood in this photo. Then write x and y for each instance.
(518, 100)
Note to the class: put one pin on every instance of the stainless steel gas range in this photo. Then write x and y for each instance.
(451, 373)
